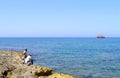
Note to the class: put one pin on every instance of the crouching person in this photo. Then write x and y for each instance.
(28, 60)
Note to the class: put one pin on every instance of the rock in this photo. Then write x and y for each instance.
(13, 67)
(30, 76)
(2, 76)
(5, 67)
(17, 76)
(41, 71)
(60, 75)
(45, 77)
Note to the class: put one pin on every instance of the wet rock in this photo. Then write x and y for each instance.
(60, 75)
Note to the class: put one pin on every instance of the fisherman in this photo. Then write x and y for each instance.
(29, 60)
(25, 54)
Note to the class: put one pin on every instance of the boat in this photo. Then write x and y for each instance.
(100, 36)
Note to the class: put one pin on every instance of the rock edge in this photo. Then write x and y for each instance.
(11, 66)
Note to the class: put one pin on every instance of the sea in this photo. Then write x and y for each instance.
(79, 57)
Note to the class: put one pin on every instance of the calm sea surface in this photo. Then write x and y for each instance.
(99, 58)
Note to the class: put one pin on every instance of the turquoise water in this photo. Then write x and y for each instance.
(99, 58)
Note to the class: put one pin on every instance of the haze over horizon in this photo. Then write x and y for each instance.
(59, 18)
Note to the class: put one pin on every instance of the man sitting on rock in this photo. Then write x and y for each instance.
(28, 60)
(24, 54)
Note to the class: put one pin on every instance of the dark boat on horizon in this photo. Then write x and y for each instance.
(100, 36)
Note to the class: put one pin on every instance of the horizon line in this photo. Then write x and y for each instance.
(62, 37)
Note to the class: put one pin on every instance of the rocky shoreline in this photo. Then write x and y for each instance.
(11, 66)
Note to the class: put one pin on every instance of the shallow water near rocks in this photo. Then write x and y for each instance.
(97, 58)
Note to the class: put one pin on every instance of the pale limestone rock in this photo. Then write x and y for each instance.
(13, 67)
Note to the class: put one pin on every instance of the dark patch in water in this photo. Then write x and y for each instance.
(10, 49)
(87, 76)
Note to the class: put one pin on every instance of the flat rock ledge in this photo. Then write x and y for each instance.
(11, 66)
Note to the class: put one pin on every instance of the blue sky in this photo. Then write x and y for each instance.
(59, 18)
